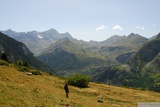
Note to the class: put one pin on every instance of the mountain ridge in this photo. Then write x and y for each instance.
(76, 55)
(131, 61)
(37, 41)
(16, 50)
(140, 70)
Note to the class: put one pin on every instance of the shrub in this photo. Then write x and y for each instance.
(4, 57)
(22, 63)
(79, 80)
(36, 73)
(2, 62)
(23, 69)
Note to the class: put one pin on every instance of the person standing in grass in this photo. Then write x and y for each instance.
(66, 89)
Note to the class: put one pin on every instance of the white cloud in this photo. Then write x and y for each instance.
(142, 28)
(139, 27)
(117, 27)
(101, 27)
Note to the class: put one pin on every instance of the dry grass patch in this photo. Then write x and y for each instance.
(21, 90)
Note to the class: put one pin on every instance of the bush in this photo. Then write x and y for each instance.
(36, 73)
(22, 63)
(2, 62)
(23, 69)
(4, 57)
(79, 80)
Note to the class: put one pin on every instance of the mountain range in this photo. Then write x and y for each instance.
(67, 56)
(15, 50)
(77, 56)
(55, 48)
(131, 61)
(140, 70)
(37, 41)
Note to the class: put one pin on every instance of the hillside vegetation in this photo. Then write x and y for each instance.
(67, 57)
(15, 50)
(20, 90)
(140, 70)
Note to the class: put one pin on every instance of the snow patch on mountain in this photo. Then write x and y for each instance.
(39, 36)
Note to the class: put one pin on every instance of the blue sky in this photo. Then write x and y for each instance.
(83, 19)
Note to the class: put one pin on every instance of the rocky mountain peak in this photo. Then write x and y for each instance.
(51, 32)
(68, 35)
(9, 31)
(132, 35)
(65, 39)
(158, 36)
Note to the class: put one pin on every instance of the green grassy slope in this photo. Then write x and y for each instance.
(20, 90)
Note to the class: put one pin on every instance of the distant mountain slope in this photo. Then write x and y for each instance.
(16, 50)
(145, 55)
(113, 39)
(142, 69)
(116, 48)
(37, 41)
(154, 65)
(112, 48)
(66, 55)
(123, 45)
